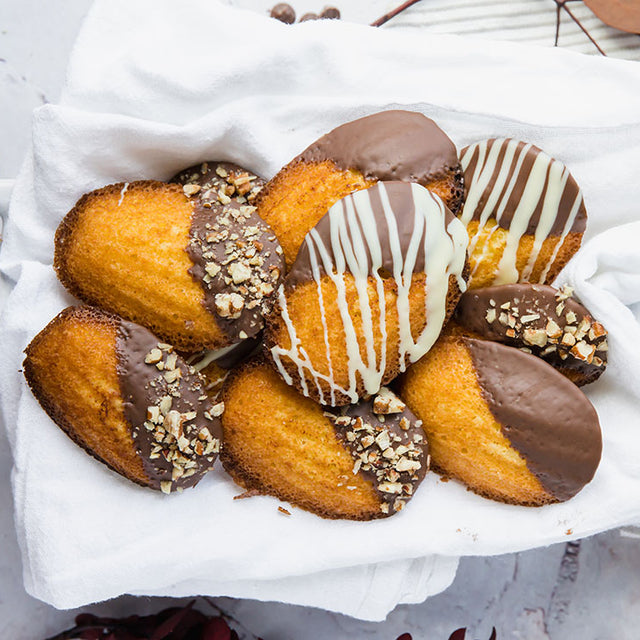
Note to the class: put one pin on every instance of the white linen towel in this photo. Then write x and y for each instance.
(155, 86)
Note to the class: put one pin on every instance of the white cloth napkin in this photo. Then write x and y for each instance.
(155, 86)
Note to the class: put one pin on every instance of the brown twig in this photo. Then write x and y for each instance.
(393, 13)
(562, 4)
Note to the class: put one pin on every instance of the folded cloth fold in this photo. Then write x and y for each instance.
(154, 87)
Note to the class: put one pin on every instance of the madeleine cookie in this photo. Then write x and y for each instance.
(369, 292)
(523, 210)
(127, 399)
(541, 320)
(361, 462)
(504, 422)
(192, 264)
(391, 145)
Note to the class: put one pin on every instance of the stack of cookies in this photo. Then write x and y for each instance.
(380, 307)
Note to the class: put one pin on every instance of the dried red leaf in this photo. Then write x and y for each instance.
(458, 634)
(216, 629)
(177, 623)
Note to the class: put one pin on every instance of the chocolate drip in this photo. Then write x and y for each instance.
(165, 456)
(475, 160)
(390, 145)
(387, 444)
(236, 256)
(402, 203)
(545, 417)
(548, 322)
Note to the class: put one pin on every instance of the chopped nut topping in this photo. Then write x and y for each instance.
(387, 402)
(155, 355)
(229, 305)
(217, 410)
(239, 272)
(382, 448)
(236, 248)
(535, 336)
(553, 329)
(153, 414)
(191, 189)
(546, 335)
(177, 439)
(583, 351)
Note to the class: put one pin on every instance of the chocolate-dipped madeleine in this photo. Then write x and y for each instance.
(390, 145)
(547, 322)
(369, 292)
(360, 462)
(126, 398)
(523, 210)
(192, 262)
(504, 422)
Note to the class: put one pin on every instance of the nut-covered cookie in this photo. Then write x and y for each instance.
(523, 210)
(504, 422)
(541, 320)
(369, 292)
(360, 462)
(126, 398)
(191, 262)
(391, 145)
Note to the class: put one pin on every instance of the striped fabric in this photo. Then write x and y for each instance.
(528, 21)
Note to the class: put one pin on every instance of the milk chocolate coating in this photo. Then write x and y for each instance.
(403, 206)
(530, 300)
(228, 234)
(570, 192)
(390, 145)
(546, 418)
(378, 471)
(143, 385)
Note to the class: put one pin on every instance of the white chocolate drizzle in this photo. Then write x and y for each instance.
(368, 232)
(525, 191)
(123, 191)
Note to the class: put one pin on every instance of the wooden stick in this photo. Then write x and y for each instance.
(562, 4)
(393, 13)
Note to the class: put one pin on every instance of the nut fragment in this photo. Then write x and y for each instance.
(155, 355)
(191, 189)
(387, 402)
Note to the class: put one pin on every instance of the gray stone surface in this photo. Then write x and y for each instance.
(587, 590)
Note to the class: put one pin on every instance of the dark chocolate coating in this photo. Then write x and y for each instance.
(229, 234)
(545, 417)
(390, 145)
(142, 386)
(403, 206)
(380, 469)
(570, 193)
(526, 301)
